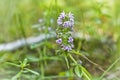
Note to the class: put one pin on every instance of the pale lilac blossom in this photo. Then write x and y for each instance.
(70, 15)
(66, 24)
(67, 48)
(59, 41)
(62, 15)
(70, 39)
(59, 21)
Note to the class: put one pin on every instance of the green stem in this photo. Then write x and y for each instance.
(66, 59)
(20, 73)
(41, 64)
(72, 58)
(44, 55)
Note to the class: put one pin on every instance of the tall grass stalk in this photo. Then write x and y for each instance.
(110, 67)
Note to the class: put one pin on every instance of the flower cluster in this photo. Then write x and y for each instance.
(66, 20)
(65, 25)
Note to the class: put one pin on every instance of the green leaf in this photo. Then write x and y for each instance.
(86, 74)
(78, 71)
(82, 72)
(34, 72)
(25, 62)
(16, 76)
(13, 64)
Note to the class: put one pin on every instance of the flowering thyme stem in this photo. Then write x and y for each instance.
(64, 31)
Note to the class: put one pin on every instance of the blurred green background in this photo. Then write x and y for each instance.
(99, 19)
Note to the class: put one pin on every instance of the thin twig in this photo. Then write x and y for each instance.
(100, 68)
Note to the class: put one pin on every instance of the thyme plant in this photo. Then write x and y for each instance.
(65, 40)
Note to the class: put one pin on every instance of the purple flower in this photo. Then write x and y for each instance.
(71, 24)
(67, 48)
(71, 18)
(59, 21)
(70, 15)
(66, 24)
(62, 15)
(70, 39)
(59, 41)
